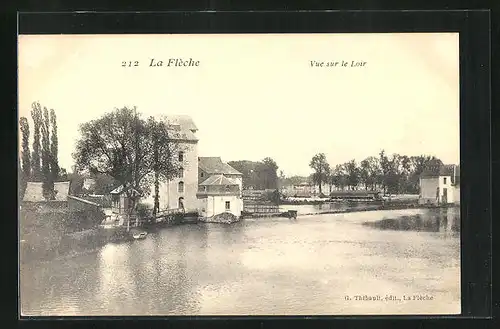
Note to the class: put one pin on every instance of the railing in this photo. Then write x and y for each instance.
(260, 208)
(169, 211)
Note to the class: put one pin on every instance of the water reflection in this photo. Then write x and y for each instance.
(430, 220)
(264, 266)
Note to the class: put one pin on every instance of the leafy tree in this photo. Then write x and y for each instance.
(270, 173)
(36, 115)
(394, 174)
(54, 147)
(339, 176)
(63, 175)
(364, 173)
(25, 155)
(321, 169)
(353, 176)
(22, 181)
(164, 164)
(385, 167)
(121, 144)
(76, 183)
(258, 175)
(369, 172)
(48, 182)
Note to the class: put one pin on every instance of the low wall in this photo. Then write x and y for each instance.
(224, 218)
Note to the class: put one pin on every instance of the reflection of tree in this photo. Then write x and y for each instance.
(116, 279)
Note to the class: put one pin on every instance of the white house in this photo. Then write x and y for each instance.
(440, 184)
(212, 174)
(217, 195)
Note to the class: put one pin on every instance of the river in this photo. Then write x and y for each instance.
(266, 266)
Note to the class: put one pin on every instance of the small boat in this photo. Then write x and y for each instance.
(141, 235)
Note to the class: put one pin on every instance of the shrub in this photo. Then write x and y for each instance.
(143, 210)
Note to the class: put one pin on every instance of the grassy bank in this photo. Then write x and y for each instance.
(49, 233)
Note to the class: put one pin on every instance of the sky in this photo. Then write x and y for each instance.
(256, 95)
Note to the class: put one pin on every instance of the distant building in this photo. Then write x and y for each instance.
(119, 200)
(440, 184)
(219, 194)
(302, 190)
(33, 196)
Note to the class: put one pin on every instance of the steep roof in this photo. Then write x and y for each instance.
(183, 120)
(437, 170)
(34, 192)
(178, 132)
(214, 165)
(217, 180)
(180, 127)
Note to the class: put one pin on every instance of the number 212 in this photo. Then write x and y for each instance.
(130, 63)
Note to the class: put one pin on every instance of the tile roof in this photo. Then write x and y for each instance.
(183, 120)
(34, 192)
(214, 165)
(217, 180)
(437, 170)
(181, 134)
(181, 127)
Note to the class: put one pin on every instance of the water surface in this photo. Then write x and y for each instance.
(268, 266)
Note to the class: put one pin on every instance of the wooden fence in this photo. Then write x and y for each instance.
(256, 208)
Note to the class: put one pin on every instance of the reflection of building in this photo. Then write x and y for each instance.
(220, 188)
(440, 184)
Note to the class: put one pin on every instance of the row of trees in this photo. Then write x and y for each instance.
(40, 162)
(135, 152)
(258, 175)
(391, 174)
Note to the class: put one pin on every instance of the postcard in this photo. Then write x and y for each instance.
(239, 174)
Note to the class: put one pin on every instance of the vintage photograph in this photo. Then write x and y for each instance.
(239, 174)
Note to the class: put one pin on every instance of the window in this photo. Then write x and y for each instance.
(201, 175)
(181, 156)
(180, 187)
(444, 180)
(228, 205)
(181, 203)
(181, 172)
